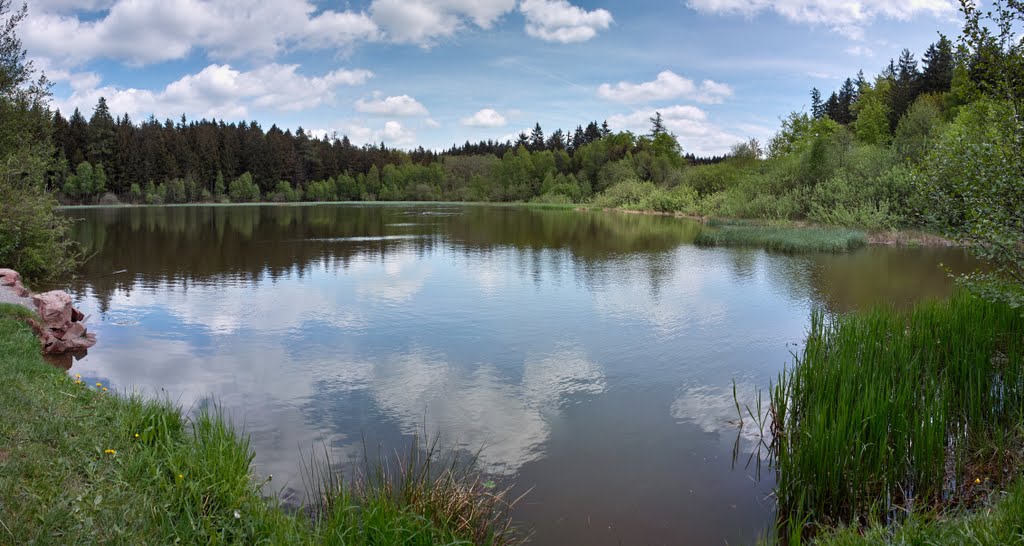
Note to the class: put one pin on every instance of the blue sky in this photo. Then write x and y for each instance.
(435, 72)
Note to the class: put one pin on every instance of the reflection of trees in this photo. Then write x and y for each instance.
(203, 243)
(588, 235)
(875, 275)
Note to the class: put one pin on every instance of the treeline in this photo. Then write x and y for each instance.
(104, 158)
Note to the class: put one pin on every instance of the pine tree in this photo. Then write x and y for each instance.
(657, 125)
(905, 88)
(536, 139)
(101, 135)
(938, 67)
(817, 108)
(605, 130)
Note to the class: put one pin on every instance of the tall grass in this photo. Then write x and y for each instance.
(784, 239)
(887, 410)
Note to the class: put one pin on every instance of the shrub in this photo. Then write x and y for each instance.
(243, 189)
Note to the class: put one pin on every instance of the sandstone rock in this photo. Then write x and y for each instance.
(9, 277)
(62, 329)
(54, 308)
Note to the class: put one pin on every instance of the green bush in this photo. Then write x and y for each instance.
(243, 189)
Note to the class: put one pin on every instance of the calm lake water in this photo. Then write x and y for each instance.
(592, 355)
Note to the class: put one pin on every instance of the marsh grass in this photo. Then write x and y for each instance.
(81, 466)
(887, 413)
(783, 239)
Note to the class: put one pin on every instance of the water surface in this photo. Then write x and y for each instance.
(592, 355)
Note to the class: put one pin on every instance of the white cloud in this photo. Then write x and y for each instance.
(401, 106)
(560, 21)
(217, 91)
(485, 118)
(424, 22)
(392, 134)
(147, 32)
(860, 51)
(848, 17)
(668, 85)
(690, 124)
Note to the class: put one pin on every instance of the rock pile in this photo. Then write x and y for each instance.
(62, 329)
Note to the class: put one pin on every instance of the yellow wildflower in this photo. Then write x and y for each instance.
(136, 434)
(110, 451)
(181, 477)
(104, 389)
(98, 384)
(78, 376)
(977, 480)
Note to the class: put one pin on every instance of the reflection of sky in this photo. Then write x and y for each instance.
(515, 350)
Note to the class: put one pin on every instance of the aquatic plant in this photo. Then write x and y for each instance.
(886, 410)
(783, 239)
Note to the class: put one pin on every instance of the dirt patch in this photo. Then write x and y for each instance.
(4, 455)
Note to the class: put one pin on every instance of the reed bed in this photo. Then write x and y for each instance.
(784, 239)
(886, 413)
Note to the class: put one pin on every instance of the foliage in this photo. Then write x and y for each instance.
(974, 181)
(243, 189)
(32, 237)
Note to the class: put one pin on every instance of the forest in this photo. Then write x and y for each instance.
(850, 161)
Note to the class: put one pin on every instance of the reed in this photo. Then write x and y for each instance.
(783, 239)
(887, 412)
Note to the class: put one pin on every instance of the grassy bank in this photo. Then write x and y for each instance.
(887, 413)
(79, 464)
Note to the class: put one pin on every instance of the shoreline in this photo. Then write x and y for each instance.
(909, 237)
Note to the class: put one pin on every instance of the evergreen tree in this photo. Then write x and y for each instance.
(937, 76)
(905, 88)
(101, 134)
(657, 125)
(817, 108)
(536, 143)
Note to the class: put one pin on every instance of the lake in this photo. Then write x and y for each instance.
(590, 356)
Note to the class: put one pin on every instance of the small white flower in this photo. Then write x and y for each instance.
(238, 515)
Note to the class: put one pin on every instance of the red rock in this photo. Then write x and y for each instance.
(9, 277)
(54, 308)
(76, 315)
(20, 290)
(75, 331)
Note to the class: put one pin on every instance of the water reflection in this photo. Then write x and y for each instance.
(591, 355)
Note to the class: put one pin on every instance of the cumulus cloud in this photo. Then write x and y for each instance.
(217, 91)
(485, 118)
(847, 17)
(424, 22)
(560, 21)
(401, 106)
(147, 32)
(668, 85)
(393, 134)
(690, 124)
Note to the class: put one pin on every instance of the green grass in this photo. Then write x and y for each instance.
(79, 465)
(888, 412)
(784, 239)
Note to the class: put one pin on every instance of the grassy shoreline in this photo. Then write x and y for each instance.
(79, 464)
(903, 417)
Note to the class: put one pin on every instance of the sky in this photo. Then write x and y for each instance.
(434, 73)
